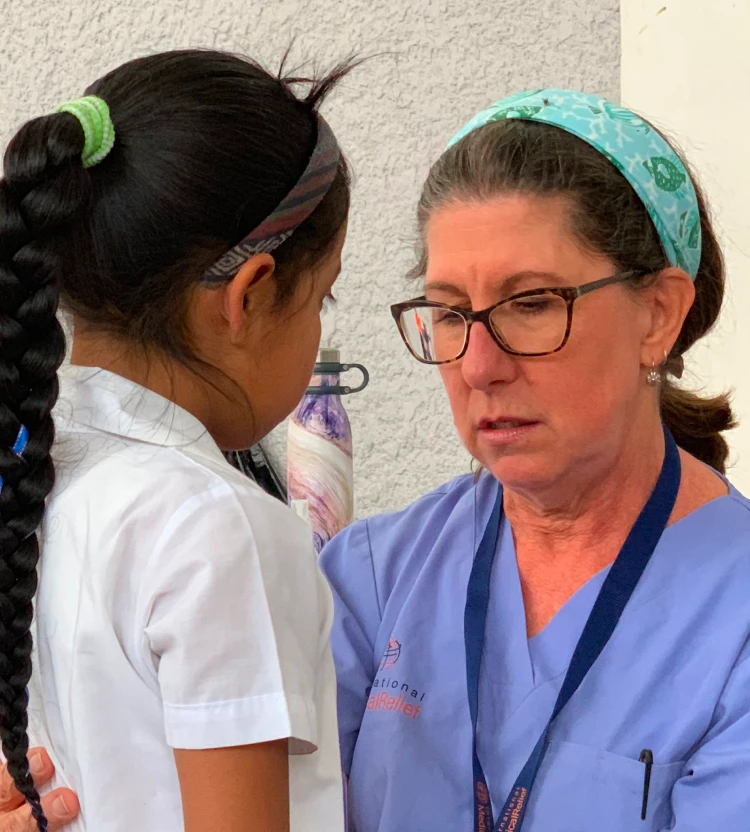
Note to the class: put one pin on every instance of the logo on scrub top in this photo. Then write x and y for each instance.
(394, 695)
(391, 654)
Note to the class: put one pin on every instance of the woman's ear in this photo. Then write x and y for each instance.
(250, 286)
(668, 299)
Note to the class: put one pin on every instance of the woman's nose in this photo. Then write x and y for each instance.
(484, 363)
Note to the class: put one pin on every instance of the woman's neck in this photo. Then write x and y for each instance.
(594, 508)
(563, 539)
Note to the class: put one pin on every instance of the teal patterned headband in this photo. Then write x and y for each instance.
(643, 157)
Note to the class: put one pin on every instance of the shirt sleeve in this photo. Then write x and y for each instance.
(237, 617)
(347, 563)
(714, 792)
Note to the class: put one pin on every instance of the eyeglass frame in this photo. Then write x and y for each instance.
(569, 294)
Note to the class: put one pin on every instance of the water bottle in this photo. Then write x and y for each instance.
(319, 450)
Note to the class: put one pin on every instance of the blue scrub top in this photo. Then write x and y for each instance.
(674, 678)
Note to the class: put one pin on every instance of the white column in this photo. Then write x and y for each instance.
(686, 67)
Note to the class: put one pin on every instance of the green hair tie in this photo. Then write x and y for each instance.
(93, 114)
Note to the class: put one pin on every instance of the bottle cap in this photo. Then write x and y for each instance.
(329, 355)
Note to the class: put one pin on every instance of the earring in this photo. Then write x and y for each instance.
(654, 376)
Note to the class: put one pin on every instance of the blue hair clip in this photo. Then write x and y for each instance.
(22, 440)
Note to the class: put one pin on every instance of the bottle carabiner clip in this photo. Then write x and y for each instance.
(323, 369)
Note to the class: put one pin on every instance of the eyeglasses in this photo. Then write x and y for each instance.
(532, 323)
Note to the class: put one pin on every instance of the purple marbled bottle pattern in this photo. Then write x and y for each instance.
(319, 460)
(325, 415)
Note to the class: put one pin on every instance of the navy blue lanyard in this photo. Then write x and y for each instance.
(608, 607)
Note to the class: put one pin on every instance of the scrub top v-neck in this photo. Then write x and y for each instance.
(674, 678)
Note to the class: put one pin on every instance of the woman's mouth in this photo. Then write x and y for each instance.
(506, 430)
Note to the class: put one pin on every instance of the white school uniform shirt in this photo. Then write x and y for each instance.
(179, 606)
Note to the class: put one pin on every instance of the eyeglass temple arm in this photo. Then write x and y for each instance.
(605, 281)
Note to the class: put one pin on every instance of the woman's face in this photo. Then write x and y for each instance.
(532, 421)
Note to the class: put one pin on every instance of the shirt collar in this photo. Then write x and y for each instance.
(100, 400)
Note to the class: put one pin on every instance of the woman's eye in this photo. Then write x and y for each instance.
(531, 306)
(447, 317)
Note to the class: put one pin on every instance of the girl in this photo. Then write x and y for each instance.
(190, 214)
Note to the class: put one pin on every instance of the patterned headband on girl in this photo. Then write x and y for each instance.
(645, 159)
(293, 210)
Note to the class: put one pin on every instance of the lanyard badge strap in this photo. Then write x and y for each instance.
(608, 608)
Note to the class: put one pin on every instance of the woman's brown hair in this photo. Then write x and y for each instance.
(608, 217)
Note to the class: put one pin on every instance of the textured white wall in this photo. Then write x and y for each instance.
(440, 61)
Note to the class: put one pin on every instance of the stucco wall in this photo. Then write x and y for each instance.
(438, 62)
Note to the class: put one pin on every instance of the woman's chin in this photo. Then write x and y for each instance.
(520, 472)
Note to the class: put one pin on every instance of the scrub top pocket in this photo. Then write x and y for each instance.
(578, 786)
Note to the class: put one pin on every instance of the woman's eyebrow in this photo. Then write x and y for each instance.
(506, 285)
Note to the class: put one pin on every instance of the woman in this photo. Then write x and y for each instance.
(60, 806)
(190, 212)
(587, 285)
(569, 263)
